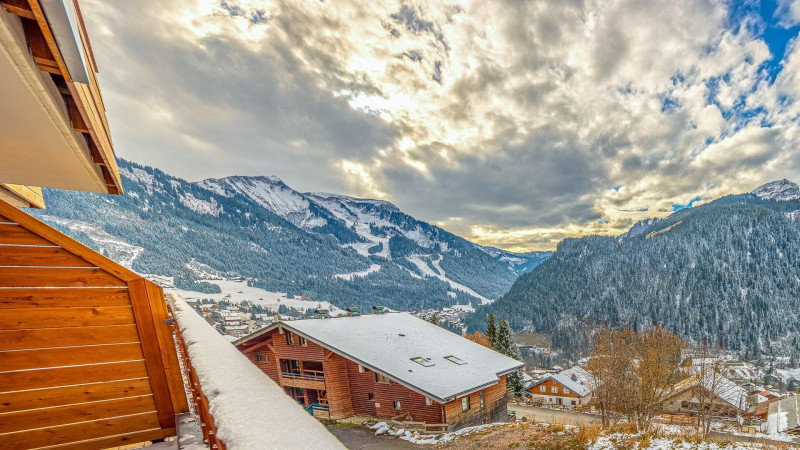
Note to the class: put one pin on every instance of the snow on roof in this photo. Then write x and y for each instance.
(576, 379)
(726, 390)
(249, 409)
(386, 343)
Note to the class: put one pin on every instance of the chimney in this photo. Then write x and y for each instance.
(353, 311)
(378, 309)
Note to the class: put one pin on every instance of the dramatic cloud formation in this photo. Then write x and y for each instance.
(514, 124)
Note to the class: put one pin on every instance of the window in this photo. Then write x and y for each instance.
(381, 379)
(542, 388)
(566, 391)
(396, 405)
(428, 401)
(303, 342)
(361, 369)
(261, 358)
(573, 403)
(426, 362)
(370, 396)
(289, 338)
(483, 405)
(465, 404)
(554, 389)
(455, 360)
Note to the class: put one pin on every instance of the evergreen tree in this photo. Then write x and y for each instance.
(507, 346)
(491, 330)
(434, 319)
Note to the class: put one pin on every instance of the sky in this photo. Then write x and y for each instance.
(512, 123)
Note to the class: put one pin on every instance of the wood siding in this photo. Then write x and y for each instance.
(549, 384)
(495, 408)
(338, 387)
(85, 356)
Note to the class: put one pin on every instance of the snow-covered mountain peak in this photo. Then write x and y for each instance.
(780, 190)
(352, 200)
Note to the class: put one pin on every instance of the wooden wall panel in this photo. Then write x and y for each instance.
(15, 319)
(269, 366)
(13, 234)
(57, 277)
(72, 356)
(310, 352)
(66, 337)
(40, 256)
(63, 297)
(337, 387)
(68, 395)
(494, 411)
(66, 376)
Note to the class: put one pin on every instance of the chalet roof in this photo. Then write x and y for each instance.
(386, 343)
(723, 388)
(576, 379)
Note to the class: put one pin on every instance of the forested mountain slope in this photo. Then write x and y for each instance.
(727, 271)
(349, 251)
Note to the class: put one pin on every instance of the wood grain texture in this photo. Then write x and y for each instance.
(62, 415)
(56, 277)
(67, 376)
(80, 431)
(152, 352)
(69, 395)
(120, 440)
(13, 234)
(15, 319)
(166, 344)
(60, 239)
(69, 356)
(40, 256)
(63, 337)
(63, 298)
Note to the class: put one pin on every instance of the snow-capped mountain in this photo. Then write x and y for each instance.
(781, 190)
(370, 227)
(349, 251)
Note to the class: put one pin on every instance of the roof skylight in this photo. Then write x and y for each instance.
(455, 360)
(426, 362)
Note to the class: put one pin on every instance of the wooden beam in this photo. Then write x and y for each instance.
(49, 40)
(75, 116)
(40, 50)
(255, 347)
(19, 7)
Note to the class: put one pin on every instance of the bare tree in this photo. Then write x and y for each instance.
(632, 372)
(713, 394)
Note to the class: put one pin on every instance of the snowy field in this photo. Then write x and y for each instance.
(239, 291)
(350, 276)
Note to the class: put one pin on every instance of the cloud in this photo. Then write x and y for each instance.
(508, 122)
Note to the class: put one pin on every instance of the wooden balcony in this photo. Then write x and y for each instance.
(306, 379)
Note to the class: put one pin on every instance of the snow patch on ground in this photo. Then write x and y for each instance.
(428, 439)
(350, 276)
(440, 274)
(619, 440)
(110, 245)
(238, 291)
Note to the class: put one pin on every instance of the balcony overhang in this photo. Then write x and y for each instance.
(22, 196)
(53, 130)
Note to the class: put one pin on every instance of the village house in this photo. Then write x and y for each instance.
(387, 366)
(571, 388)
(723, 397)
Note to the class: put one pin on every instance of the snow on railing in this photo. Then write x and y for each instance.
(248, 410)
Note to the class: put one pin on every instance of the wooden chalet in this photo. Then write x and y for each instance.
(722, 397)
(387, 366)
(571, 388)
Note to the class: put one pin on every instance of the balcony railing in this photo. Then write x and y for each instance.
(238, 405)
(306, 374)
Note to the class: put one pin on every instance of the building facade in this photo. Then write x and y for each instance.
(340, 380)
(571, 388)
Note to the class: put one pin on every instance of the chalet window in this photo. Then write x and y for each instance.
(566, 391)
(370, 396)
(261, 358)
(428, 401)
(289, 338)
(465, 404)
(361, 369)
(542, 388)
(396, 405)
(573, 403)
(455, 360)
(554, 389)
(483, 405)
(426, 362)
(303, 342)
(381, 379)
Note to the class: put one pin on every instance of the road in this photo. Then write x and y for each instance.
(545, 415)
(364, 438)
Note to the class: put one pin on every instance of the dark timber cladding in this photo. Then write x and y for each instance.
(86, 358)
